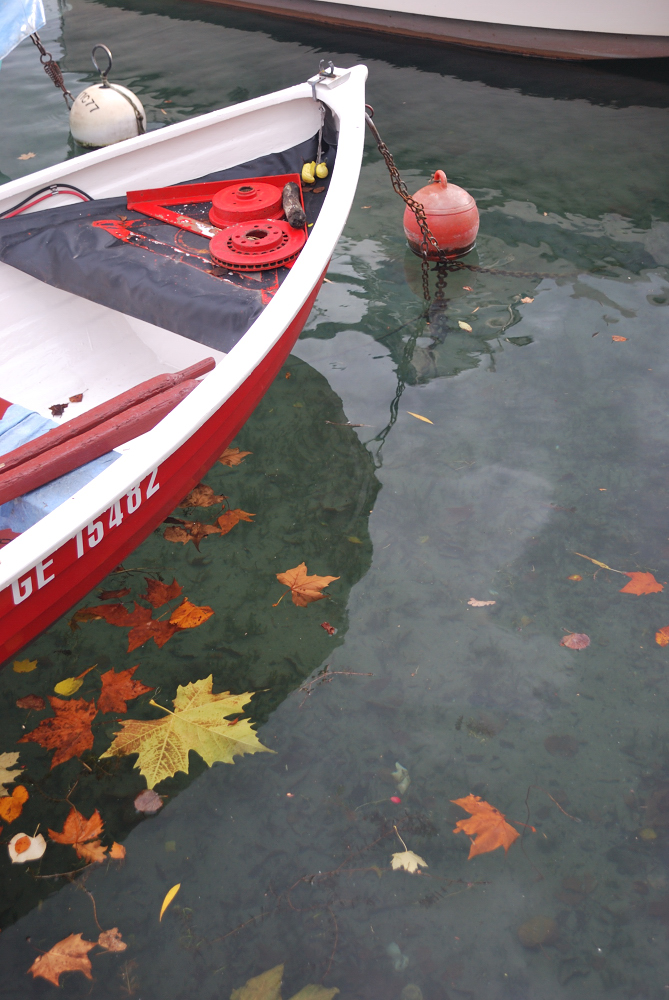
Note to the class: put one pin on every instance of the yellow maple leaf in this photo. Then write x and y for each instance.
(24, 666)
(268, 987)
(198, 723)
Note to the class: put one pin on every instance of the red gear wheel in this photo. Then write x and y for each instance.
(258, 245)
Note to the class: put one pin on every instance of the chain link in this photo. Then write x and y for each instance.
(52, 69)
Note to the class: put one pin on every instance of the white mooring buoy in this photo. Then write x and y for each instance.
(106, 112)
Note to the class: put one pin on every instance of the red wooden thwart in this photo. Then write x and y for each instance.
(105, 411)
(94, 442)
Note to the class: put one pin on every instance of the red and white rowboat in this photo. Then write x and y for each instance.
(57, 342)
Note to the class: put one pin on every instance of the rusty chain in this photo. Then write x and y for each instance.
(52, 69)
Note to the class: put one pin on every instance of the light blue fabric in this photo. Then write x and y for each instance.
(18, 19)
(17, 426)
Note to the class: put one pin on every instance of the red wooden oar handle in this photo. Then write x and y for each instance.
(100, 413)
(93, 443)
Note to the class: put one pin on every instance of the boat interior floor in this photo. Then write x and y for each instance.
(95, 314)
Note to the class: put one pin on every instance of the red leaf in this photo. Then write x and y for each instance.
(160, 593)
(118, 688)
(68, 732)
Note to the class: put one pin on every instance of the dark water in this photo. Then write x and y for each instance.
(546, 438)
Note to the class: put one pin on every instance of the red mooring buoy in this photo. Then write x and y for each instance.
(452, 216)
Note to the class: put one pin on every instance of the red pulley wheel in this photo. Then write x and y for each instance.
(257, 245)
(246, 201)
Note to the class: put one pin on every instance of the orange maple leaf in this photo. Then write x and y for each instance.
(82, 834)
(233, 456)
(487, 824)
(69, 955)
(118, 688)
(12, 805)
(145, 627)
(304, 589)
(642, 583)
(202, 496)
(158, 593)
(230, 518)
(189, 615)
(68, 732)
(662, 636)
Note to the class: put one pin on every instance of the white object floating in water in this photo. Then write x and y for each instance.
(23, 848)
(401, 777)
(106, 112)
(399, 960)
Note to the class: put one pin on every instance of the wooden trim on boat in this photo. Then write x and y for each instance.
(547, 43)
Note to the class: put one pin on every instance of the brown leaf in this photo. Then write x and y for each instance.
(93, 852)
(12, 805)
(113, 595)
(202, 496)
(69, 955)
(189, 615)
(175, 533)
(230, 518)
(160, 632)
(118, 688)
(192, 531)
(32, 701)
(58, 409)
(158, 593)
(641, 583)
(77, 398)
(487, 824)
(68, 732)
(575, 640)
(77, 829)
(112, 940)
(304, 589)
(330, 629)
(233, 456)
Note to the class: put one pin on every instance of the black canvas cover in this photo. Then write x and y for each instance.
(173, 288)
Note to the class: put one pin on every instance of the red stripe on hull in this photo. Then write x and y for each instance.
(70, 572)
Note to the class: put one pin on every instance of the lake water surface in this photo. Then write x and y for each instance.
(546, 434)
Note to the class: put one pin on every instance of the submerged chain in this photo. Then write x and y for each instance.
(52, 69)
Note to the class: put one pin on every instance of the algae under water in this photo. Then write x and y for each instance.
(547, 438)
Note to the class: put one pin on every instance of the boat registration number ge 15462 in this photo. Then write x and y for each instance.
(46, 571)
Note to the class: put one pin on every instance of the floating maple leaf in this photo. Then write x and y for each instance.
(202, 496)
(8, 760)
(575, 640)
(111, 940)
(69, 955)
(268, 987)
(12, 805)
(82, 834)
(24, 666)
(233, 456)
(230, 518)
(68, 732)
(146, 627)
(189, 531)
(641, 583)
(304, 589)
(408, 861)
(118, 688)
(158, 593)
(189, 615)
(487, 825)
(198, 723)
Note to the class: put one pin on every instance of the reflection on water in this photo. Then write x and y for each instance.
(547, 438)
